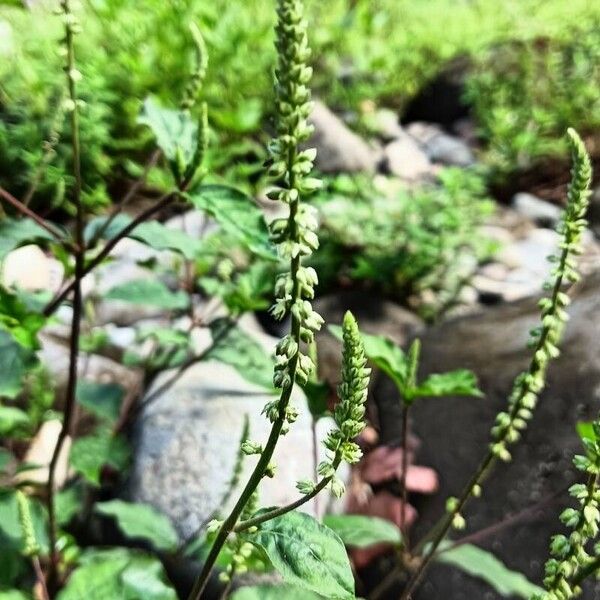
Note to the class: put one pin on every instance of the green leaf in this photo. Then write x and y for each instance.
(90, 453)
(486, 566)
(69, 502)
(13, 595)
(317, 394)
(141, 521)
(118, 574)
(237, 214)
(386, 355)
(152, 233)
(175, 131)
(10, 528)
(18, 232)
(19, 320)
(585, 430)
(150, 292)
(102, 399)
(5, 458)
(360, 531)
(306, 554)
(273, 592)
(454, 383)
(12, 419)
(234, 347)
(15, 361)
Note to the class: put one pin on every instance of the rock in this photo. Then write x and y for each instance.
(384, 123)
(55, 354)
(441, 147)
(594, 212)
(540, 212)
(30, 269)
(339, 150)
(455, 432)
(40, 453)
(186, 442)
(405, 159)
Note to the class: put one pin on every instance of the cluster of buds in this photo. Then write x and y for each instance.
(545, 339)
(569, 553)
(30, 545)
(349, 414)
(294, 235)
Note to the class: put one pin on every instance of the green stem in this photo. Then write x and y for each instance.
(77, 298)
(282, 510)
(535, 368)
(403, 527)
(267, 453)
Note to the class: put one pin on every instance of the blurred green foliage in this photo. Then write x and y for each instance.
(379, 50)
(419, 246)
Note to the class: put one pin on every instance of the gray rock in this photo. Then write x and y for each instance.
(441, 147)
(186, 442)
(540, 212)
(404, 158)
(339, 150)
(455, 433)
(385, 124)
(594, 212)
(374, 315)
(54, 353)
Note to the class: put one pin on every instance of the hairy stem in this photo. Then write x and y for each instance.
(163, 201)
(77, 299)
(403, 478)
(535, 370)
(24, 210)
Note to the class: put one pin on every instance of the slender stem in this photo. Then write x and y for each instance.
(24, 210)
(590, 569)
(269, 448)
(77, 298)
(133, 190)
(164, 201)
(282, 510)
(39, 574)
(443, 526)
(403, 478)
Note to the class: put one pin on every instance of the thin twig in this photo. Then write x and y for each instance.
(133, 190)
(24, 210)
(77, 298)
(164, 201)
(39, 575)
(403, 477)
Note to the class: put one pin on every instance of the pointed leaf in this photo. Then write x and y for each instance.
(486, 566)
(141, 521)
(382, 352)
(102, 399)
(173, 129)
(12, 419)
(453, 383)
(149, 292)
(118, 574)
(361, 531)
(235, 347)
(273, 592)
(152, 233)
(237, 214)
(15, 233)
(15, 361)
(306, 554)
(90, 453)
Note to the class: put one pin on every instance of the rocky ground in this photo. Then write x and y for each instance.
(186, 439)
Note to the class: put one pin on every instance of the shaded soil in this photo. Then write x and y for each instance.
(454, 434)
